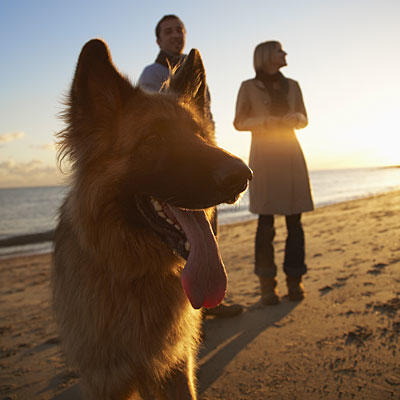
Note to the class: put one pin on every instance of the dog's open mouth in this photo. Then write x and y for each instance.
(188, 233)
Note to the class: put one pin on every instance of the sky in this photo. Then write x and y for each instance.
(344, 53)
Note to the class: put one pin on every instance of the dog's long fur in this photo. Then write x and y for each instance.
(125, 321)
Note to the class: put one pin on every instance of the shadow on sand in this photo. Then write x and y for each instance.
(72, 393)
(224, 339)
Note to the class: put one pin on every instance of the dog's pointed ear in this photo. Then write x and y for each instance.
(97, 87)
(189, 82)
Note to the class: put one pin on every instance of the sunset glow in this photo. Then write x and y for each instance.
(344, 56)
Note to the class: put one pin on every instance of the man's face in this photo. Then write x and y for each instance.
(172, 36)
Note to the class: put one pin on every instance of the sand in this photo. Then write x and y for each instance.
(341, 342)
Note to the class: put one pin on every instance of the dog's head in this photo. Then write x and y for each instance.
(150, 159)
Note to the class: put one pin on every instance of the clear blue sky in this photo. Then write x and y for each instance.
(344, 53)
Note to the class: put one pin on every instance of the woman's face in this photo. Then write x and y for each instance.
(278, 57)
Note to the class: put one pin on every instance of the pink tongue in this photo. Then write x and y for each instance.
(203, 278)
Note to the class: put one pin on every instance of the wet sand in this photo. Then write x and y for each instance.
(341, 342)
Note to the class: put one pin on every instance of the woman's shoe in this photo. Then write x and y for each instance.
(295, 288)
(269, 293)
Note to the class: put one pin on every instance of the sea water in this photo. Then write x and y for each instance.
(328, 187)
(34, 209)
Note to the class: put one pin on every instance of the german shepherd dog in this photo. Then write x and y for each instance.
(135, 257)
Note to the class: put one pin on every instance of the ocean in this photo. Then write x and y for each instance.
(33, 209)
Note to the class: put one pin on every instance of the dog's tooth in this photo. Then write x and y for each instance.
(169, 221)
(157, 206)
(177, 227)
(161, 214)
(187, 245)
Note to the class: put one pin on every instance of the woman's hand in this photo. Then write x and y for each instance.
(295, 120)
(291, 120)
(271, 121)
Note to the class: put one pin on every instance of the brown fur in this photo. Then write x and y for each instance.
(124, 320)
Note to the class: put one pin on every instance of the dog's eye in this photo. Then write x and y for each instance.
(152, 140)
(146, 147)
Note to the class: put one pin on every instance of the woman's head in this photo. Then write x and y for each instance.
(269, 57)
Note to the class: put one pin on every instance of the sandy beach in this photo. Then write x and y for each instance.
(341, 342)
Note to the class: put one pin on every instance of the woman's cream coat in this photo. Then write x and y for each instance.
(280, 184)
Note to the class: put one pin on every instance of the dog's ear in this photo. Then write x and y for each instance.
(97, 88)
(189, 82)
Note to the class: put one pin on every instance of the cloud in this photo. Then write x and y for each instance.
(10, 137)
(31, 173)
(46, 146)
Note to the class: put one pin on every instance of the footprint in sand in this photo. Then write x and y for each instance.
(349, 313)
(326, 289)
(389, 336)
(358, 336)
(340, 281)
(53, 340)
(357, 260)
(338, 249)
(369, 284)
(344, 278)
(4, 329)
(389, 308)
(377, 269)
(367, 294)
(338, 284)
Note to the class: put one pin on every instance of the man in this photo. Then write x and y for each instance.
(170, 37)
(170, 34)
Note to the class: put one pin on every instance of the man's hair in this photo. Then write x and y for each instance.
(165, 18)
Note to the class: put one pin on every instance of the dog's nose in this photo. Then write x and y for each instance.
(232, 174)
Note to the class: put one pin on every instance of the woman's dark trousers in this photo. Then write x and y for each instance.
(293, 264)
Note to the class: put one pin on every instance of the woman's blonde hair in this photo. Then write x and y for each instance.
(262, 55)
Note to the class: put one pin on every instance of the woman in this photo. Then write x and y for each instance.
(271, 107)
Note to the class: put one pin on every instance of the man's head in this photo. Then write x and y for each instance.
(170, 33)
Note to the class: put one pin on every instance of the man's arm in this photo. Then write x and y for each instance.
(153, 77)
